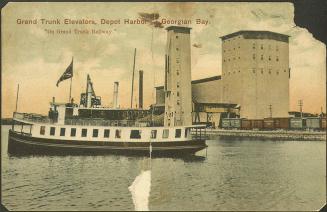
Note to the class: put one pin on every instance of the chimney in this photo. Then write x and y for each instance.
(115, 100)
(141, 89)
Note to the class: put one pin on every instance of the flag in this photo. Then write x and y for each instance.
(67, 74)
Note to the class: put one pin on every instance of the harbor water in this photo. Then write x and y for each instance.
(235, 175)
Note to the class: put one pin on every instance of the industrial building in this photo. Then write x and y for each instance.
(178, 105)
(254, 83)
(255, 73)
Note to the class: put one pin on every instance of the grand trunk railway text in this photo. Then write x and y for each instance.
(68, 21)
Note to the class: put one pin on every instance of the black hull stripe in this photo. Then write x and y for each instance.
(106, 147)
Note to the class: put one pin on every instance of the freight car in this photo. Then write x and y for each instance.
(246, 124)
(282, 123)
(313, 123)
(231, 123)
(257, 124)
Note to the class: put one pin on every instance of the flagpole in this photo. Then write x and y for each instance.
(70, 90)
(71, 82)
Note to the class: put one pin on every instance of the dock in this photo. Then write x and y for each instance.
(270, 135)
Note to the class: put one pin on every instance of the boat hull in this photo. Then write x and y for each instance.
(25, 144)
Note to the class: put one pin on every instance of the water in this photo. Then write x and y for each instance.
(236, 175)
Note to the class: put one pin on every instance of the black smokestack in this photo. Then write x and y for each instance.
(141, 89)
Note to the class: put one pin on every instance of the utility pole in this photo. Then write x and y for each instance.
(300, 104)
(270, 111)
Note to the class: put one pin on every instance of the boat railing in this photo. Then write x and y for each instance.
(99, 122)
(199, 133)
(31, 117)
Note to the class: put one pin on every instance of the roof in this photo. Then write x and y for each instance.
(208, 79)
(223, 105)
(251, 34)
(179, 29)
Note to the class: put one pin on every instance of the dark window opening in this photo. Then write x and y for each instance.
(118, 134)
(73, 132)
(52, 130)
(106, 133)
(95, 133)
(186, 132)
(42, 130)
(178, 133)
(84, 132)
(62, 131)
(153, 133)
(136, 134)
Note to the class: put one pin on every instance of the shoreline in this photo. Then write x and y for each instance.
(271, 135)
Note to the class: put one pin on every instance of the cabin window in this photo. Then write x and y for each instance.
(62, 131)
(186, 132)
(118, 134)
(106, 133)
(135, 134)
(95, 133)
(165, 133)
(73, 132)
(178, 133)
(52, 130)
(42, 130)
(84, 132)
(153, 133)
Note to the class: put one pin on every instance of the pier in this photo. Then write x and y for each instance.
(289, 135)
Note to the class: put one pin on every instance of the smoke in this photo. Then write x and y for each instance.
(151, 19)
(140, 190)
(197, 45)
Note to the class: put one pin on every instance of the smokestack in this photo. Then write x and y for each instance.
(141, 89)
(115, 100)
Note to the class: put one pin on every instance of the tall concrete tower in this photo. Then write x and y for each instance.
(255, 73)
(178, 94)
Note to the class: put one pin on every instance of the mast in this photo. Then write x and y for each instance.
(17, 98)
(70, 90)
(133, 79)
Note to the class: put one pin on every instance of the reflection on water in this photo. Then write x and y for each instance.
(235, 175)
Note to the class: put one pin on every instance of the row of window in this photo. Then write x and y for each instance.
(134, 134)
(254, 71)
(253, 47)
(253, 57)
(262, 58)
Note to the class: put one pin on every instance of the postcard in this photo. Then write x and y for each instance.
(196, 106)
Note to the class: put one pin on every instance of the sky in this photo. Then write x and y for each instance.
(35, 59)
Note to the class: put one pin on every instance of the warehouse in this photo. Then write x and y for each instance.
(207, 106)
(254, 83)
